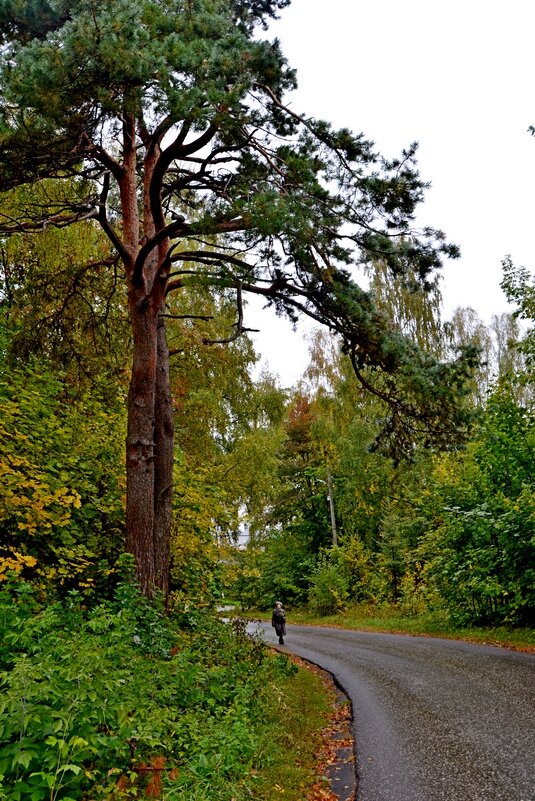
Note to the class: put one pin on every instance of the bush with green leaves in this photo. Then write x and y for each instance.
(61, 483)
(102, 703)
(479, 549)
(278, 569)
(329, 588)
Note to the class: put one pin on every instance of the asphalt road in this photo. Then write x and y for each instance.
(434, 720)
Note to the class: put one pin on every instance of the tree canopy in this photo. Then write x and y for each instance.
(165, 122)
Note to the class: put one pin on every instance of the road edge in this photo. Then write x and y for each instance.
(336, 758)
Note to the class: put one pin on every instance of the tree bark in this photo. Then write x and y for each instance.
(149, 452)
(331, 507)
(150, 439)
(140, 448)
(163, 462)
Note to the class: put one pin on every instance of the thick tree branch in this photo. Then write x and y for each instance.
(180, 228)
(174, 151)
(240, 329)
(14, 226)
(102, 218)
(205, 317)
(101, 155)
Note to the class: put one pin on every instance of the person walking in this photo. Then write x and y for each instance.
(278, 621)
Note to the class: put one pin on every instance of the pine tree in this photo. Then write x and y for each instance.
(168, 117)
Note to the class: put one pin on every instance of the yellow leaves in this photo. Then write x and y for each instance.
(367, 508)
(252, 572)
(27, 501)
(15, 461)
(15, 563)
(447, 468)
(71, 563)
(66, 497)
(60, 452)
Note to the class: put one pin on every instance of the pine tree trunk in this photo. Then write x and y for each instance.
(150, 438)
(163, 463)
(140, 471)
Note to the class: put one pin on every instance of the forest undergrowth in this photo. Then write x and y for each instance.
(124, 701)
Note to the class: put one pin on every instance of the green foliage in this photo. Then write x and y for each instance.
(59, 294)
(228, 432)
(413, 308)
(61, 496)
(329, 586)
(518, 285)
(203, 509)
(302, 506)
(168, 52)
(481, 549)
(102, 704)
(278, 569)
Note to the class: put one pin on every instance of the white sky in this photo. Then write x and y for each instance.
(456, 76)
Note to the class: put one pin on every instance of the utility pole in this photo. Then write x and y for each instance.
(331, 507)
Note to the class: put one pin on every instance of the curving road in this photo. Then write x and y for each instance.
(434, 720)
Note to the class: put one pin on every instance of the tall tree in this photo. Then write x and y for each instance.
(519, 288)
(169, 116)
(412, 306)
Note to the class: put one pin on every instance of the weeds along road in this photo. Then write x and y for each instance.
(434, 720)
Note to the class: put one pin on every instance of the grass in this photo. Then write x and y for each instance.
(301, 710)
(389, 618)
(122, 701)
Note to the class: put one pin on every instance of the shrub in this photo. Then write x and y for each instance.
(329, 590)
(107, 702)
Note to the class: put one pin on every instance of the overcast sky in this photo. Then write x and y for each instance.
(459, 78)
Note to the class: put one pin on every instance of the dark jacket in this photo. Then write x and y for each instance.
(278, 621)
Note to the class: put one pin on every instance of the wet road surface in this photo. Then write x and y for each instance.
(434, 720)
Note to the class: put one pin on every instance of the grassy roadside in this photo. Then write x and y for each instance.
(122, 701)
(391, 619)
(300, 714)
